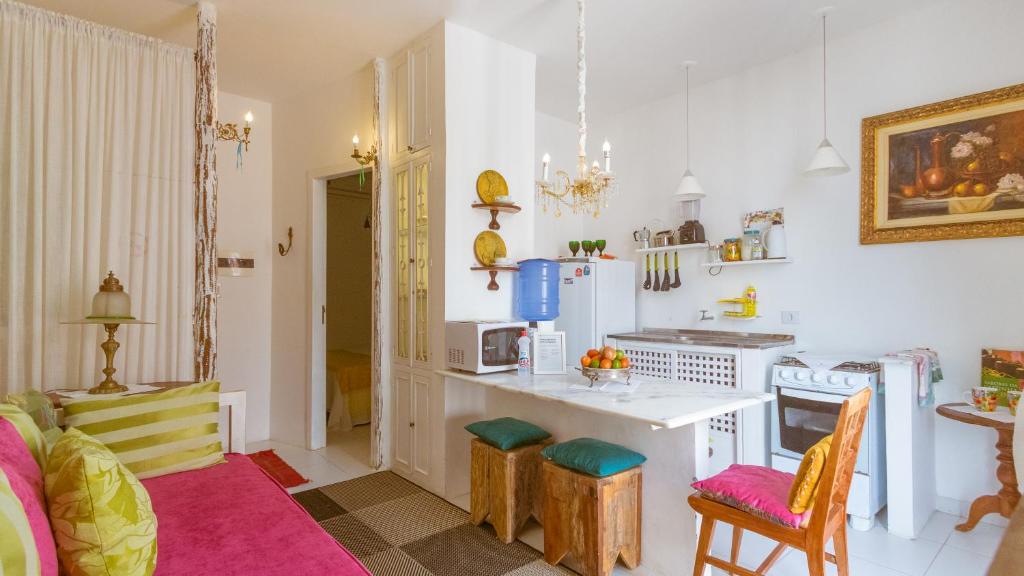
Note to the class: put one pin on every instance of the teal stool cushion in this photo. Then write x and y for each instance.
(507, 433)
(592, 456)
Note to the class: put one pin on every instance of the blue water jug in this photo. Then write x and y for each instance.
(537, 290)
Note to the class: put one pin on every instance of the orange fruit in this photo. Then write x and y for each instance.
(608, 353)
(606, 363)
(585, 361)
(625, 362)
(592, 352)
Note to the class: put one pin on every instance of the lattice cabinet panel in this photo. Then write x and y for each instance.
(708, 368)
(651, 362)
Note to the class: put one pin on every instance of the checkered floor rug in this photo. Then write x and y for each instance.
(396, 528)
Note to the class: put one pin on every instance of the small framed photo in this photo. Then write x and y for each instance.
(549, 353)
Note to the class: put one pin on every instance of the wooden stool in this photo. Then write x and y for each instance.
(596, 519)
(505, 487)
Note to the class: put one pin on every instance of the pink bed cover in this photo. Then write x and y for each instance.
(234, 519)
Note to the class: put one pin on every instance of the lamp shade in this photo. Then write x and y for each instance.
(826, 161)
(689, 188)
(111, 301)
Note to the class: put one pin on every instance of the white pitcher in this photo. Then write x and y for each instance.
(775, 241)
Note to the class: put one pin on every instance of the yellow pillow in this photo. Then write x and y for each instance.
(18, 552)
(805, 485)
(101, 515)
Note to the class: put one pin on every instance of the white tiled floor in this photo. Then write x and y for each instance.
(939, 551)
(346, 456)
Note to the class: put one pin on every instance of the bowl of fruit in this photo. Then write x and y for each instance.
(605, 364)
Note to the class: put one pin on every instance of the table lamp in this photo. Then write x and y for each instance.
(111, 307)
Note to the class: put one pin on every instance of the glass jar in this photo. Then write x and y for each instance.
(714, 253)
(731, 250)
(756, 249)
(747, 243)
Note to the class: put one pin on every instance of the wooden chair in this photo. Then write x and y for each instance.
(828, 515)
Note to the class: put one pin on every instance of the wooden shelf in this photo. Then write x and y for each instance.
(673, 248)
(745, 263)
(494, 209)
(493, 271)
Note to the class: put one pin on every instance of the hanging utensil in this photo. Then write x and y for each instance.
(664, 285)
(676, 283)
(647, 282)
(657, 274)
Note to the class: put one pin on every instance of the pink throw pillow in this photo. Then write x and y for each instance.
(761, 491)
(26, 482)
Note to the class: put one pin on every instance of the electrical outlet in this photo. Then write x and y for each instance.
(790, 317)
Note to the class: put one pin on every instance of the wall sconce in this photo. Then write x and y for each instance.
(229, 131)
(363, 159)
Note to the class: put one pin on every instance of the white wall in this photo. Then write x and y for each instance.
(312, 132)
(489, 124)
(244, 226)
(752, 136)
(349, 272)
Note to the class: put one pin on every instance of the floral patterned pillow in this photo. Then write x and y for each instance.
(101, 514)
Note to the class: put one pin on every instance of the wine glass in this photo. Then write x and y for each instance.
(574, 247)
(600, 246)
(588, 247)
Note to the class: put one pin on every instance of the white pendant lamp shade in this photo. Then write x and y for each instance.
(689, 188)
(826, 161)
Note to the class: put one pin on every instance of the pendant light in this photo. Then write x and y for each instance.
(826, 161)
(689, 188)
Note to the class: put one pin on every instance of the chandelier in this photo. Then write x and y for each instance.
(588, 192)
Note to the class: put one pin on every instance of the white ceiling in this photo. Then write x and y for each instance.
(275, 49)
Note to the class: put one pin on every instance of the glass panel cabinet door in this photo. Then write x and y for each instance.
(421, 179)
(403, 258)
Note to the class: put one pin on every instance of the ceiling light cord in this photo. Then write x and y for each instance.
(824, 77)
(686, 116)
(581, 88)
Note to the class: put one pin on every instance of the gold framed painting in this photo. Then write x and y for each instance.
(945, 171)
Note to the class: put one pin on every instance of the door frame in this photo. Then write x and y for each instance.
(316, 373)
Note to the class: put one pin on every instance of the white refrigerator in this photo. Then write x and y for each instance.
(595, 298)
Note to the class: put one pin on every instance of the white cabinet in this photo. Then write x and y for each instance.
(414, 425)
(411, 100)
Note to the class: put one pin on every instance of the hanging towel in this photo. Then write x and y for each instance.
(929, 372)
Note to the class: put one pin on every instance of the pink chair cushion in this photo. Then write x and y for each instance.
(761, 491)
(235, 519)
(26, 482)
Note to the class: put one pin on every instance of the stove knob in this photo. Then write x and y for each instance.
(833, 379)
(786, 374)
(818, 378)
(801, 376)
(851, 381)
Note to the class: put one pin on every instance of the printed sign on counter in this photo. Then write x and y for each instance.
(549, 353)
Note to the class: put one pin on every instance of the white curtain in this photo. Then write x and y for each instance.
(96, 159)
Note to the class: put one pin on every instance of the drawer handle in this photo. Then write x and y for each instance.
(412, 424)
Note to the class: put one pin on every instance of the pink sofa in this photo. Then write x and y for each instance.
(227, 519)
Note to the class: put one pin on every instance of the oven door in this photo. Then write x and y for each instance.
(802, 417)
(499, 347)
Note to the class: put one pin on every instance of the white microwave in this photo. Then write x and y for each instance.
(483, 346)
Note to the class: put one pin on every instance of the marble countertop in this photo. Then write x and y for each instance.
(658, 402)
(715, 338)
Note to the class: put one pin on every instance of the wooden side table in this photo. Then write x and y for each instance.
(1006, 500)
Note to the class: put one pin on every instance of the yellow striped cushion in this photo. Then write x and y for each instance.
(155, 434)
(18, 553)
(31, 433)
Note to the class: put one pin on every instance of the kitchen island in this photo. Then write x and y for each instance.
(662, 419)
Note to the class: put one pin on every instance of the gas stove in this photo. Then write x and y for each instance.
(832, 374)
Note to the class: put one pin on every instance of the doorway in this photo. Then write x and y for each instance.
(349, 300)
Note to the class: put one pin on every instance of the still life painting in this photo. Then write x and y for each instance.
(950, 170)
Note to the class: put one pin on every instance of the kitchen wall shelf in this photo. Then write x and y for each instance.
(493, 270)
(494, 209)
(745, 263)
(672, 248)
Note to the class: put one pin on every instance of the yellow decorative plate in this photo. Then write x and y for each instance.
(490, 184)
(488, 246)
